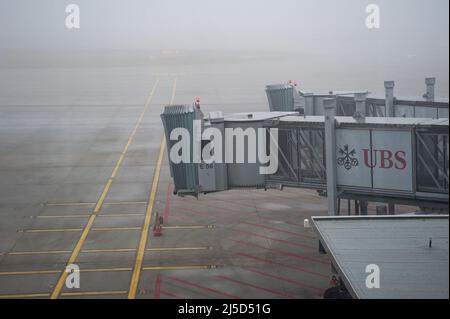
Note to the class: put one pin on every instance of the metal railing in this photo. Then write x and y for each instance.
(423, 109)
(281, 98)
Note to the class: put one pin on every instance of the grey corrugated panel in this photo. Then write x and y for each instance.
(185, 175)
(398, 245)
(281, 97)
(444, 105)
(245, 174)
(255, 116)
(388, 121)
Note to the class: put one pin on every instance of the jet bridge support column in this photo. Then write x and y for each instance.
(389, 89)
(430, 82)
(329, 106)
(360, 100)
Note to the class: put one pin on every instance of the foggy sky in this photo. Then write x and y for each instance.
(408, 27)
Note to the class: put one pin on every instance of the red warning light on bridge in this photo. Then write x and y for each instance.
(197, 103)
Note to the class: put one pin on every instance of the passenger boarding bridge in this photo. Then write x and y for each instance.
(366, 157)
(286, 97)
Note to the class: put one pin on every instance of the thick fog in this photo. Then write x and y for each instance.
(319, 26)
(325, 40)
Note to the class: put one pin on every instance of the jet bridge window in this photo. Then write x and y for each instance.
(301, 157)
(432, 162)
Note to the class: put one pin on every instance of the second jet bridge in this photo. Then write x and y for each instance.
(400, 160)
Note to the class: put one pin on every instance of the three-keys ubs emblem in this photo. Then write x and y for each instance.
(347, 158)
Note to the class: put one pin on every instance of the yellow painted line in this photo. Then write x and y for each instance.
(92, 204)
(113, 250)
(106, 269)
(94, 251)
(102, 198)
(61, 252)
(115, 228)
(48, 252)
(190, 227)
(29, 272)
(126, 203)
(120, 215)
(148, 215)
(57, 271)
(56, 230)
(178, 248)
(20, 296)
(65, 294)
(180, 267)
(65, 230)
(93, 293)
(69, 204)
(117, 269)
(73, 257)
(145, 230)
(87, 215)
(62, 216)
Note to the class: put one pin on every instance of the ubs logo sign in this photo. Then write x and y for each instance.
(347, 158)
(384, 159)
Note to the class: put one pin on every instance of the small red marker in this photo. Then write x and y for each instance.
(197, 103)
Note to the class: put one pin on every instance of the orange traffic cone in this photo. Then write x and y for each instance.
(157, 228)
